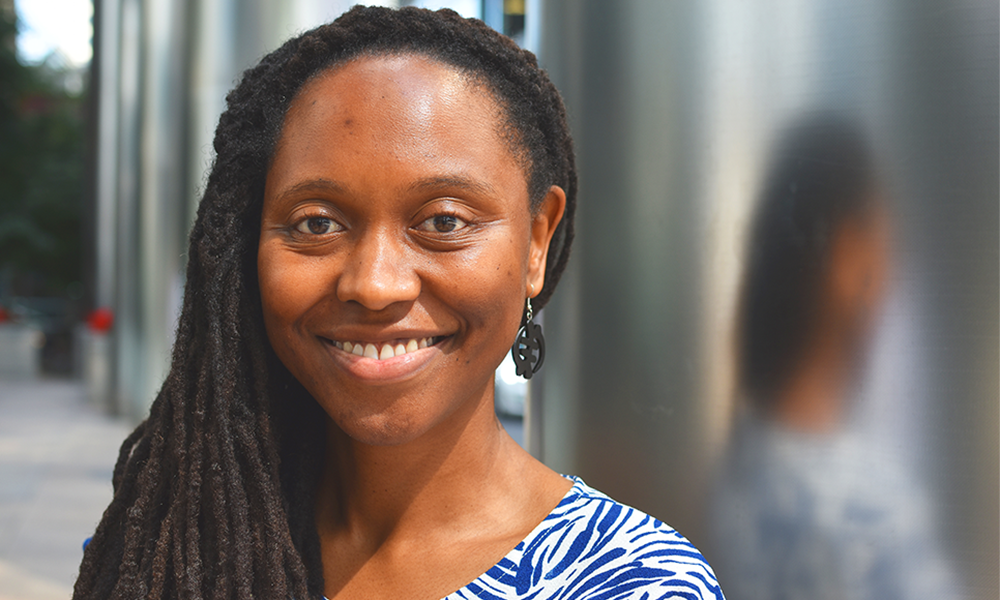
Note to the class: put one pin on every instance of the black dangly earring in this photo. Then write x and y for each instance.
(528, 350)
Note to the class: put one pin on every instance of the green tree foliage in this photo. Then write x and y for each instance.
(41, 175)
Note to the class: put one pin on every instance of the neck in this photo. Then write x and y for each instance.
(464, 489)
(813, 400)
(373, 492)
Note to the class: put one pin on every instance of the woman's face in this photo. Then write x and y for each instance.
(397, 245)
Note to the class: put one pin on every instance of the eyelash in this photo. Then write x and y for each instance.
(460, 223)
(302, 225)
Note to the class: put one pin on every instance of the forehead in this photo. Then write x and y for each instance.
(394, 73)
(410, 86)
(405, 115)
(404, 68)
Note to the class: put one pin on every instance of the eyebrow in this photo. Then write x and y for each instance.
(421, 185)
(313, 185)
(457, 181)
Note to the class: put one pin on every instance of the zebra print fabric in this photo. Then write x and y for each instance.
(593, 548)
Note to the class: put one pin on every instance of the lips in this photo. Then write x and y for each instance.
(386, 350)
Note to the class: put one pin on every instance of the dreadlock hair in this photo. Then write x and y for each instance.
(215, 491)
(822, 175)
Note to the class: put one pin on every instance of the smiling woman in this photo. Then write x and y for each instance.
(390, 192)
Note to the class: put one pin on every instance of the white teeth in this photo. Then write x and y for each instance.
(387, 350)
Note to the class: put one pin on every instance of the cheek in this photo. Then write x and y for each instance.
(286, 297)
(273, 303)
(270, 277)
(288, 287)
(491, 284)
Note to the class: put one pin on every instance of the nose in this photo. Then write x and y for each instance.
(378, 273)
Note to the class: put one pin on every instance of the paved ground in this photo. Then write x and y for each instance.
(56, 457)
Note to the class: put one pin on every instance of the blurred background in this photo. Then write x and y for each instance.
(780, 331)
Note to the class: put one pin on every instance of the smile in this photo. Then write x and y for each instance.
(386, 350)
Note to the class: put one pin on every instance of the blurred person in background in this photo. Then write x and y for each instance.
(804, 507)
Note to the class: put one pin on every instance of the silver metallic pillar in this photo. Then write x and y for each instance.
(676, 108)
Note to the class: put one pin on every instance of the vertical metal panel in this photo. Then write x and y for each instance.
(161, 187)
(127, 330)
(676, 109)
(213, 69)
(625, 326)
(109, 30)
(95, 353)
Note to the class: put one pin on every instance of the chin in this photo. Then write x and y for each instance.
(381, 429)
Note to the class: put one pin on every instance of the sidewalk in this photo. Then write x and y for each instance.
(56, 457)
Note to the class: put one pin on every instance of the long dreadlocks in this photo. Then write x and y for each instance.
(214, 492)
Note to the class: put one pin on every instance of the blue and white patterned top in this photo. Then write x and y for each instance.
(591, 547)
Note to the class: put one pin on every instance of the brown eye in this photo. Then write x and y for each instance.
(317, 226)
(442, 224)
(445, 223)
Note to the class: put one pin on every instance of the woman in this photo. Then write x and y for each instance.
(391, 193)
(806, 506)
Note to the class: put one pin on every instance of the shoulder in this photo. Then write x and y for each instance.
(591, 546)
(611, 546)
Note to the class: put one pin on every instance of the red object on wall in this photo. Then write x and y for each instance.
(100, 320)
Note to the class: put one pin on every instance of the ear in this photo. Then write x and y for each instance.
(543, 226)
